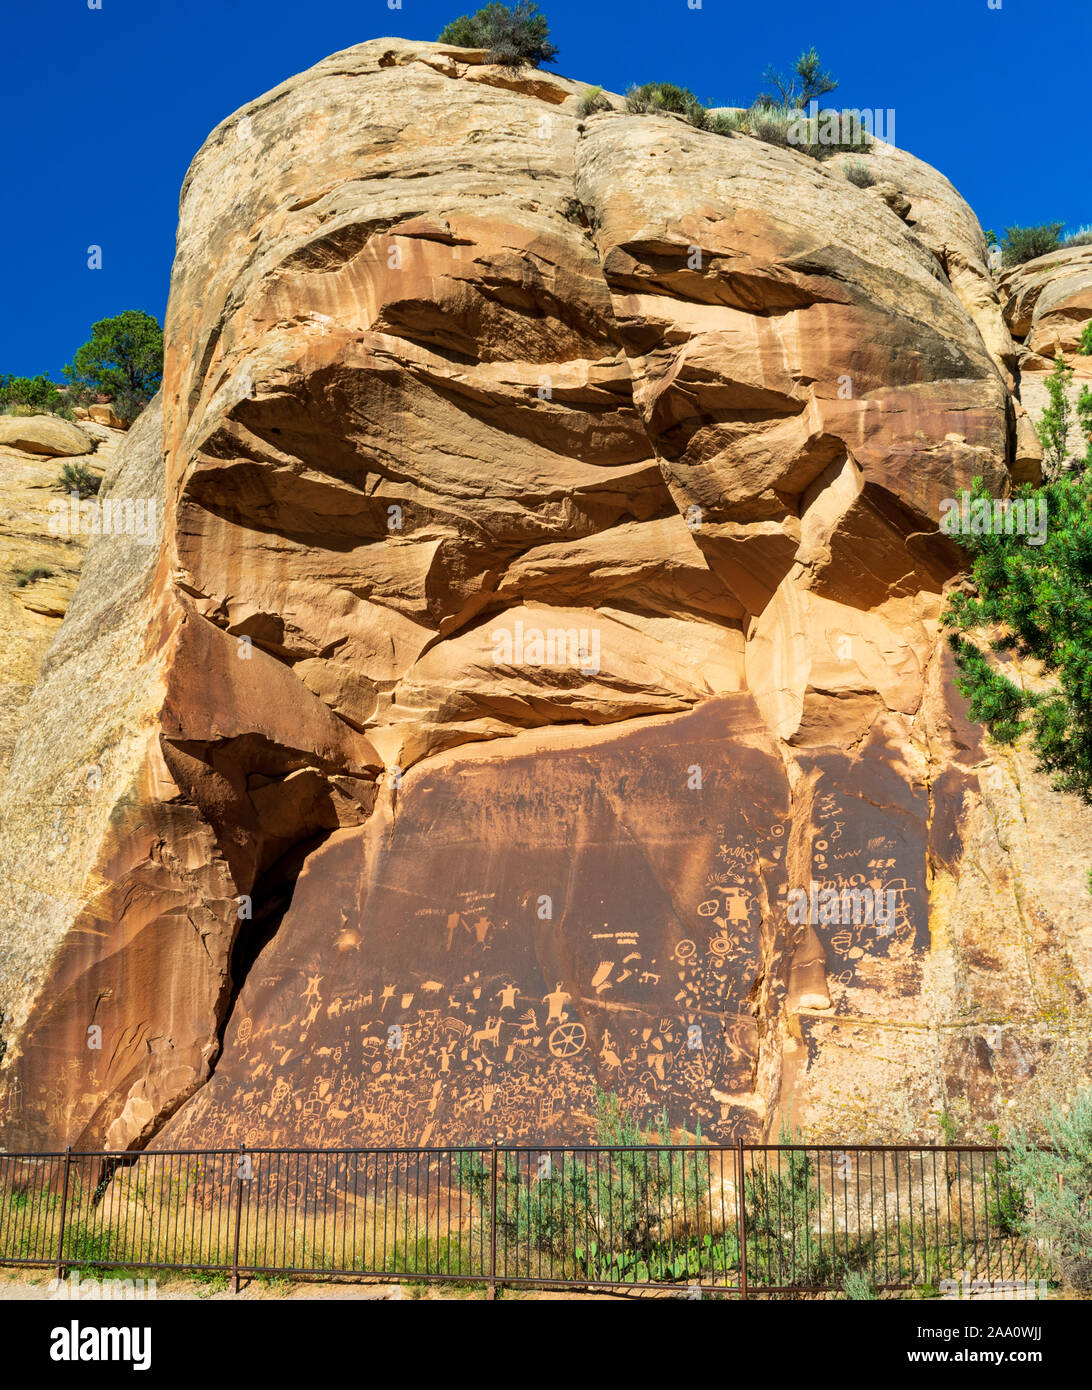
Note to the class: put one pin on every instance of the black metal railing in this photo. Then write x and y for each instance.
(723, 1220)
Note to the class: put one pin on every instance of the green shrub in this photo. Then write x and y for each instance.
(615, 1218)
(771, 124)
(856, 1286)
(728, 122)
(1081, 237)
(515, 37)
(858, 173)
(1084, 422)
(782, 1200)
(1026, 243)
(652, 97)
(769, 121)
(1084, 347)
(1007, 1201)
(1040, 597)
(77, 477)
(660, 96)
(1057, 1179)
(592, 99)
(25, 577)
(1053, 425)
(26, 395)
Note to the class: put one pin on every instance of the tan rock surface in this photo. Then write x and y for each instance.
(943, 222)
(1048, 300)
(548, 584)
(30, 613)
(104, 415)
(44, 434)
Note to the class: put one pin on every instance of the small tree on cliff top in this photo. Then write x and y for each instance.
(808, 71)
(122, 360)
(515, 37)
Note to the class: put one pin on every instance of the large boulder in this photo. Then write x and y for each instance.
(105, 415)
(548, 587)
(44, 434)
(1048, 301)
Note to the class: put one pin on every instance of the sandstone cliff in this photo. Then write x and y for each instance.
(32, 451)
(549, 584)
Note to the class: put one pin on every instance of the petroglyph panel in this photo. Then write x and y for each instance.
(518, 932)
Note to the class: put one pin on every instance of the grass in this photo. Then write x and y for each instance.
(782, 126)
(275, 1283)
(592, 99)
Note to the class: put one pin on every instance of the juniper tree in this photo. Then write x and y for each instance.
(122, 360)
(515, 37)
(1053, 426)
(1039, 598)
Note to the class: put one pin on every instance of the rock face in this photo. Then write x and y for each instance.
(30, 610)
(1047, 303)
(548, 588)
(1048, 300)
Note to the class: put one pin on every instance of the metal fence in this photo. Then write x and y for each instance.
(731, 1221)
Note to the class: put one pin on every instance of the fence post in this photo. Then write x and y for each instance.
(238, 1220)
(741, 1207)
(493, 1223)
(64, 1208)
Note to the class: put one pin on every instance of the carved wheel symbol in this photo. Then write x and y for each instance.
(721, 945)
(568, 1039)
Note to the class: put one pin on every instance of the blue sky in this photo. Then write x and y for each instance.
(103, 109)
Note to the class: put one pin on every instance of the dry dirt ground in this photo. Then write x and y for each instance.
(15, 1285)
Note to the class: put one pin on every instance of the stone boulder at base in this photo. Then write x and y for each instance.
(104, 415)
(546, 596)
(44, 434)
